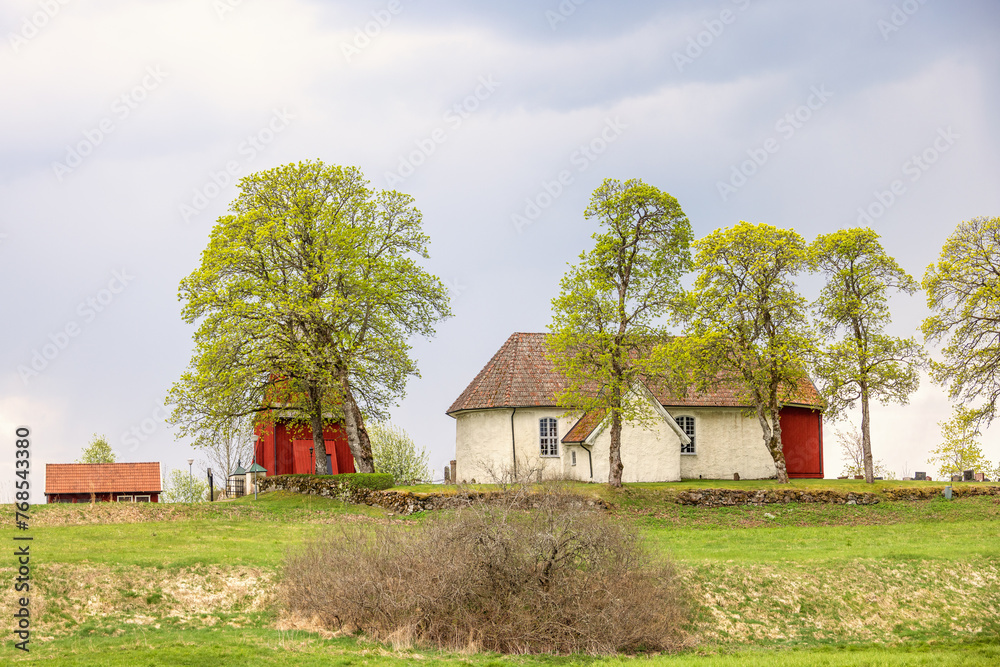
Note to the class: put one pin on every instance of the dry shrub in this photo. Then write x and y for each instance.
(559, 578)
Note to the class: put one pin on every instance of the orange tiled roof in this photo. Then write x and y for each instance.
(102, 478)
(520, 374)
(584, 426)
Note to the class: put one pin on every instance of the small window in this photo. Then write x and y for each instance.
(687, 425)
(142, 499)
(548, 436)
(572, 457)
(124, 499)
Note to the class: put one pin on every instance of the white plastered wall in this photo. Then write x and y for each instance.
(650, 451)
(726, 442)
(483, 444)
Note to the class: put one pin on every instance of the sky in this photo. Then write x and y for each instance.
(127, 125)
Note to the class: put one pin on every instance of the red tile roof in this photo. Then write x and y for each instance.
(520, 374)
(584, 426)
(102, 478)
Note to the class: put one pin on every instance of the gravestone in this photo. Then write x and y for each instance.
(980, 477)
(920, 476)
(956, 478)
(967, 475)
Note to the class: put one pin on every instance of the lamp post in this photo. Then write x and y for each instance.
(190, 478)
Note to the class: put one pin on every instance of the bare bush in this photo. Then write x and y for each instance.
(559, 578)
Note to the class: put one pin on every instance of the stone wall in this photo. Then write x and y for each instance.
(408, 502)
(730, 497)
(925, 493)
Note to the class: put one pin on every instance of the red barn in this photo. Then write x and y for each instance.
(286, 448)
(102, 482)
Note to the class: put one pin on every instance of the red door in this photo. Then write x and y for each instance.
(802, 442)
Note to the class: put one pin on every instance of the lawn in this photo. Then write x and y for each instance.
(896, 583)
(214, 647)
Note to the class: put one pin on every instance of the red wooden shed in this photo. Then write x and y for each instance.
(102, 482)
(285, 448)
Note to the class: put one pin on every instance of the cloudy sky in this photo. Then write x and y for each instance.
(125, 123)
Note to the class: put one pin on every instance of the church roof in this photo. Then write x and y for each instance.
(521, 374)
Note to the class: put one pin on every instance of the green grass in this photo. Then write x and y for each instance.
(239, 532)
(221, 646)
(807, 577)
(806, 532)
(174, 544)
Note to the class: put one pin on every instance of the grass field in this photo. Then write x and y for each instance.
(897, 583)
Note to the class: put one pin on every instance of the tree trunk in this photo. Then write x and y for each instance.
(357, 434)
(615, 451)
(866, 440)
(772, 440)
(316, 422)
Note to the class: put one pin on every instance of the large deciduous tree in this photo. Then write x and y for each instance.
(859, 361)
(747, 323)
(610, 304)
(307, 296)
(963, 294)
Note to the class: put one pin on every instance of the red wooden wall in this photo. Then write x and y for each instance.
(802, 441)
(97, 497)
(290, 443)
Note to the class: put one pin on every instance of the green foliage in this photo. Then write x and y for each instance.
(181, 487)
(859, 361)
(611, 304)
(307, 296)
(746, 321)
(98, 451)
(396, 454)
(960, 449)
(963, 294)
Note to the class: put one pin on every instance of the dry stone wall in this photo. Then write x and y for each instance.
(408, 502)
(730, 497)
